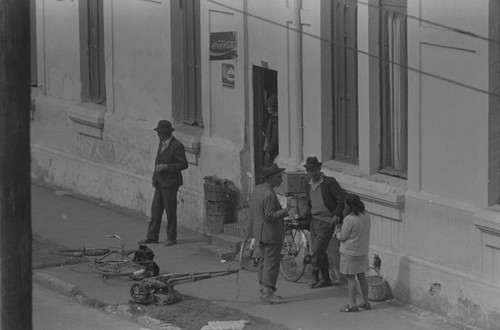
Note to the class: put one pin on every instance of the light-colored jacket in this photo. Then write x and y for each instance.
(266, 216)
(355, 235)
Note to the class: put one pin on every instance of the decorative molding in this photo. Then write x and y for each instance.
(88, 118)
(190, 136)
(488, 222)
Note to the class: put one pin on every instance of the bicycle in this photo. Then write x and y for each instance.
(110, 262)
(295, 254)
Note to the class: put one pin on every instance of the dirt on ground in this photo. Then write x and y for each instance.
(189, 314)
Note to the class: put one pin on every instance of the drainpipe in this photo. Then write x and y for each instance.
(299, 129)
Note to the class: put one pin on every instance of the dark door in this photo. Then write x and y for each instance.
(265, 82)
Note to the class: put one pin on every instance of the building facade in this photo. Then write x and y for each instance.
(400, 99)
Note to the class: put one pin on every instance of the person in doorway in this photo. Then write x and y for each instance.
(267, 227)
(271, 133)
(326, 204)
(354, 236)
(167, 178)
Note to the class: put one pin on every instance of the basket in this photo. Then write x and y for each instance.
(377, 288)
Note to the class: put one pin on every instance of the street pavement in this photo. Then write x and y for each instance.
(77, 222)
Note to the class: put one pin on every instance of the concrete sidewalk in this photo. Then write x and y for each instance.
(74, 222)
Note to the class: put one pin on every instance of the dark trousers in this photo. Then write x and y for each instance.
(164, 200)
(321, 234)
(269, 264)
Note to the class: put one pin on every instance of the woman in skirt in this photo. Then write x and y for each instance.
(354, 237)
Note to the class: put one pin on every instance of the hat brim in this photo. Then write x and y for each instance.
(278, 170)
(310, 167)
(164, 130)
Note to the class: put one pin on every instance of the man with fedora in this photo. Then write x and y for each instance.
(325, 207)
(167, 178)
(266, 226)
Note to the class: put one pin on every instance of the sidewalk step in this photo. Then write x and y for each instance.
(217, 252)
(236, 229)
(225, 241)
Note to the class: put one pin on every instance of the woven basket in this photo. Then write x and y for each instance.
(377, 289)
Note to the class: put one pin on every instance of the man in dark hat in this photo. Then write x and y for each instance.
(167, 178)
(326, 204)
(271, 133)
(266, 226)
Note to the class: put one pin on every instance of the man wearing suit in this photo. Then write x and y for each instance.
(167, 178)
(266, 226)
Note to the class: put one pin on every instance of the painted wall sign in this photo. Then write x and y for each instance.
(223, 46)
(228, 75)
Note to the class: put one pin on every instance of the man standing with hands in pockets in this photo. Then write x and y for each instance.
(326, 205)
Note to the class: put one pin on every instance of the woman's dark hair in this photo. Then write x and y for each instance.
(355, 204)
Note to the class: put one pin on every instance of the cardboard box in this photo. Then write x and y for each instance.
(293, 183)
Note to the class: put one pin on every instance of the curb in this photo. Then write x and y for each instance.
(69, 290)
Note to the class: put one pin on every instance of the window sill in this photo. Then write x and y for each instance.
(190, 136)
(488, 222)
(383, 194)
(88, 118)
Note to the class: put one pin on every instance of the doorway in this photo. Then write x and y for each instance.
(265, 83)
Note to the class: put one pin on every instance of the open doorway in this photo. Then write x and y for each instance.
(265, 84)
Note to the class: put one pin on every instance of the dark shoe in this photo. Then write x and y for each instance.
(313, 283)
(315, 280)
(365, 305)
(170, 243)
(148, 241)
(322, 284)
(271, 298)
(348, 309)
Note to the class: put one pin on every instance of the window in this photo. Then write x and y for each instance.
(394, 88)
(191, 62)
(92, 51)
(345, 107)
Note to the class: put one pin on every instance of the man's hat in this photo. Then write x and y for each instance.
(271, 169)
(164, 126)
(312, 163)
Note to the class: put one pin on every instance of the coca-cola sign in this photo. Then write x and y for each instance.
(223, 46)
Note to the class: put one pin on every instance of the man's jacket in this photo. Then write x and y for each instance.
(175, 157)
(266, 216)
(333, 196)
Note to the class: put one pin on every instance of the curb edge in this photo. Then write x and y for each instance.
(69, 290)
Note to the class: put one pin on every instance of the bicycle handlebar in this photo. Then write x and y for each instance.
(118, 238)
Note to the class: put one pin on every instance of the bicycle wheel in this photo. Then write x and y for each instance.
(117, 268)
(83, 252)
(294, 255)
(248, 256)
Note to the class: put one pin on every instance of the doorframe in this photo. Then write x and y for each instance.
(265, 82)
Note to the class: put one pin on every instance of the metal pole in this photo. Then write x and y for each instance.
(15, 183)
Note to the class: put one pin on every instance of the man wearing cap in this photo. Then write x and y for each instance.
(167, 178)
(271, 133)
(326, 204)
(266, 226)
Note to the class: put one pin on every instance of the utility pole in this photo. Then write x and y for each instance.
(15, 181)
